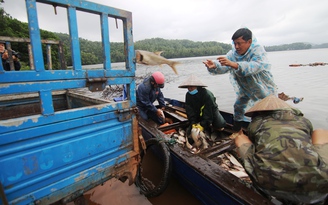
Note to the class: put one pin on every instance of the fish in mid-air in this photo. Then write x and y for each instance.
(154, 58)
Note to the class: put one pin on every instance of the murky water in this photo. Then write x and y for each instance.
(306, 81)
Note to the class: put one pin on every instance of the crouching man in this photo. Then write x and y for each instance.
(283, 156)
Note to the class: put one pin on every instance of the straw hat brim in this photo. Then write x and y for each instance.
(192, 80)
(269, 103)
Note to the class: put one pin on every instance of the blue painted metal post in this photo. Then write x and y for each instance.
(35, 35)
(75, 43)
(105, 40)
(47, 107)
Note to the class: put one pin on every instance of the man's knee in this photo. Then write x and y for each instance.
(143, 114)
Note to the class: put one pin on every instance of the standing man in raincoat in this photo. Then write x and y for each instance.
(249, 70)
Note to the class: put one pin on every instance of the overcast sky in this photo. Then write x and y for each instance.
(274, 22)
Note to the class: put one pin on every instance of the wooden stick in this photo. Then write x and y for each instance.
(181, 114)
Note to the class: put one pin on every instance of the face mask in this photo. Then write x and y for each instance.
(193, 92)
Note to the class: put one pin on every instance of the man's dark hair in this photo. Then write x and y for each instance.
(244, 32)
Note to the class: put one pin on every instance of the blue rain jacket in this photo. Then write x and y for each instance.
(146, 96)
(252, 81)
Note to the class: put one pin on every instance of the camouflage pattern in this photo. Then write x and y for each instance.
(282, 160)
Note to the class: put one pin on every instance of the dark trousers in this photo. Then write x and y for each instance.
(151, 115)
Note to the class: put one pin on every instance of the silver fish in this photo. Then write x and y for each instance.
(205, 144)
(154, 58)
(179, 138)
(195, 135)
(182, 132)
(203, 137)
(189, 146)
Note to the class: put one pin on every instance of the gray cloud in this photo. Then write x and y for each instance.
(273, 22)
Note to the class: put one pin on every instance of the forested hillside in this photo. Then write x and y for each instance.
(293, 46)
(91, 51)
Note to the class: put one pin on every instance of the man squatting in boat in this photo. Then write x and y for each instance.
(201, 107)
(282, 154)
(147, 93)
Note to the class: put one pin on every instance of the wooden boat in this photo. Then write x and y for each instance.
(201, 173)
(310, 64)
(295, 65)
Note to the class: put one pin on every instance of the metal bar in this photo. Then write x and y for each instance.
(115, 76)
(35, 35)
(49, 61)
(30, 56)
(75, 43)
(26, 40)
(90, 7)
(47, 107)
(62, 63)
(35, 87)
(105, 41)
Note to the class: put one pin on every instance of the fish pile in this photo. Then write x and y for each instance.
(195, 142)
(226, 160)
(111, 91)
(229, 163)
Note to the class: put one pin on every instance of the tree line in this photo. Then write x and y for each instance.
(91, 51)
(284, 47)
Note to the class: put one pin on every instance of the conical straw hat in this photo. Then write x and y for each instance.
(192, 81)
(269, 103)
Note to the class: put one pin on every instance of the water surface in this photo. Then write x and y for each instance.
(306, 81)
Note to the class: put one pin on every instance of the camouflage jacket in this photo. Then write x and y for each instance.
(282, 159)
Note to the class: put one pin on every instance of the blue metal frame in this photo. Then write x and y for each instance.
(46, 157)
(72, 6)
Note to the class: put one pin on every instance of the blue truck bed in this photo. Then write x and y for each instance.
(57, 142)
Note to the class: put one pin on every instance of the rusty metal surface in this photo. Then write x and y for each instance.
(3, 195)
(26, 40)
